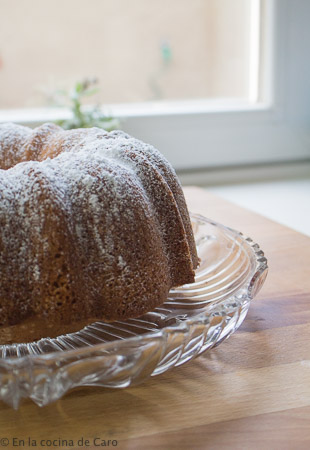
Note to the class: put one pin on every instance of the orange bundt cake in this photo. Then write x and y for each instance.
(93, 225)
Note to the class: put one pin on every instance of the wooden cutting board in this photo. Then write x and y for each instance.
(251, 392)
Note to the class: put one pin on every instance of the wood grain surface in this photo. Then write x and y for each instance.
(251, 392)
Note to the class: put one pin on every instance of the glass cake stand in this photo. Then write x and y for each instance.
(195, 318)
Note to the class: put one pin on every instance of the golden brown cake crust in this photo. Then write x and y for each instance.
(92, 225)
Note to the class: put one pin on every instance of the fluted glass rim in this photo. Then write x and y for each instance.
(195, 318)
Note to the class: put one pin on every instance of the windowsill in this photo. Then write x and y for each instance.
(139, 110)
(278, 191)
(285, 201)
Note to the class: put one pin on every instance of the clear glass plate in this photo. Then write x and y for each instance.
(195, 318)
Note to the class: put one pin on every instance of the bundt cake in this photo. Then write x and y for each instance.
(93, 226)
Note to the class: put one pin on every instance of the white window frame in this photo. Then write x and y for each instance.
(207, 134)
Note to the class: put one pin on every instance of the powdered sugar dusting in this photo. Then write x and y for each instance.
(12, 139)
(73, 174)
(86, 186)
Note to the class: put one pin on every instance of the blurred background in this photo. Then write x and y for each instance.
(138, 50)
(221, 87)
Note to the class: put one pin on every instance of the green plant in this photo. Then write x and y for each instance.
(84, 116)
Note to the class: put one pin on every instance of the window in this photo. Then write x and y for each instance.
(209, 82)
(139, 50)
